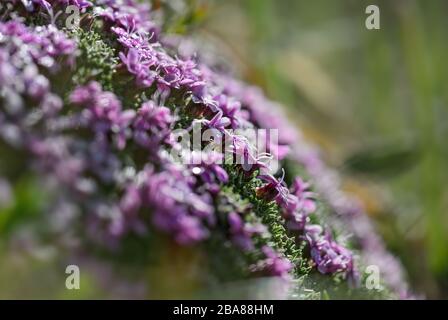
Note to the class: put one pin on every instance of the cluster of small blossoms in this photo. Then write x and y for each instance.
(266, 114)
(327, 183)
(29, 57)
(31, 5)
(357, 222)
(178, 208)
(296, 206)
(274, 264)
(297, 202)
(102, 113)
(151, 65)
(242, 232)
(23, 53)
(95, 142)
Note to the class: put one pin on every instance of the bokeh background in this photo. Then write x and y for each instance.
(375, 100)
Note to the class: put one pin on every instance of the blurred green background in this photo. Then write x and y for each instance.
(375, 100)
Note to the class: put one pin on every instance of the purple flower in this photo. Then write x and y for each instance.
(246, 155)
(103, 113)
(51, 104)
(206, 165)
(329, 256)
(300, 189)
(230, 108)
(177, 209)
(85, 150)
(54, 154)
(273, 190)
(132, 61)
(131, 202)
(43, 3)
(81, 3)
(274, 264)
(265, 139)
(218, 122)
(241, 233)
(139, 67)
(46, 4)
(152, 125)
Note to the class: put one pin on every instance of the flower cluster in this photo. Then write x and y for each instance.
(152, 125)
(296, 205)
(103, 113)
(351, 212)
(242, 233)
(178, 210)
(273, 264)
(112, 149)
(23, 53)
